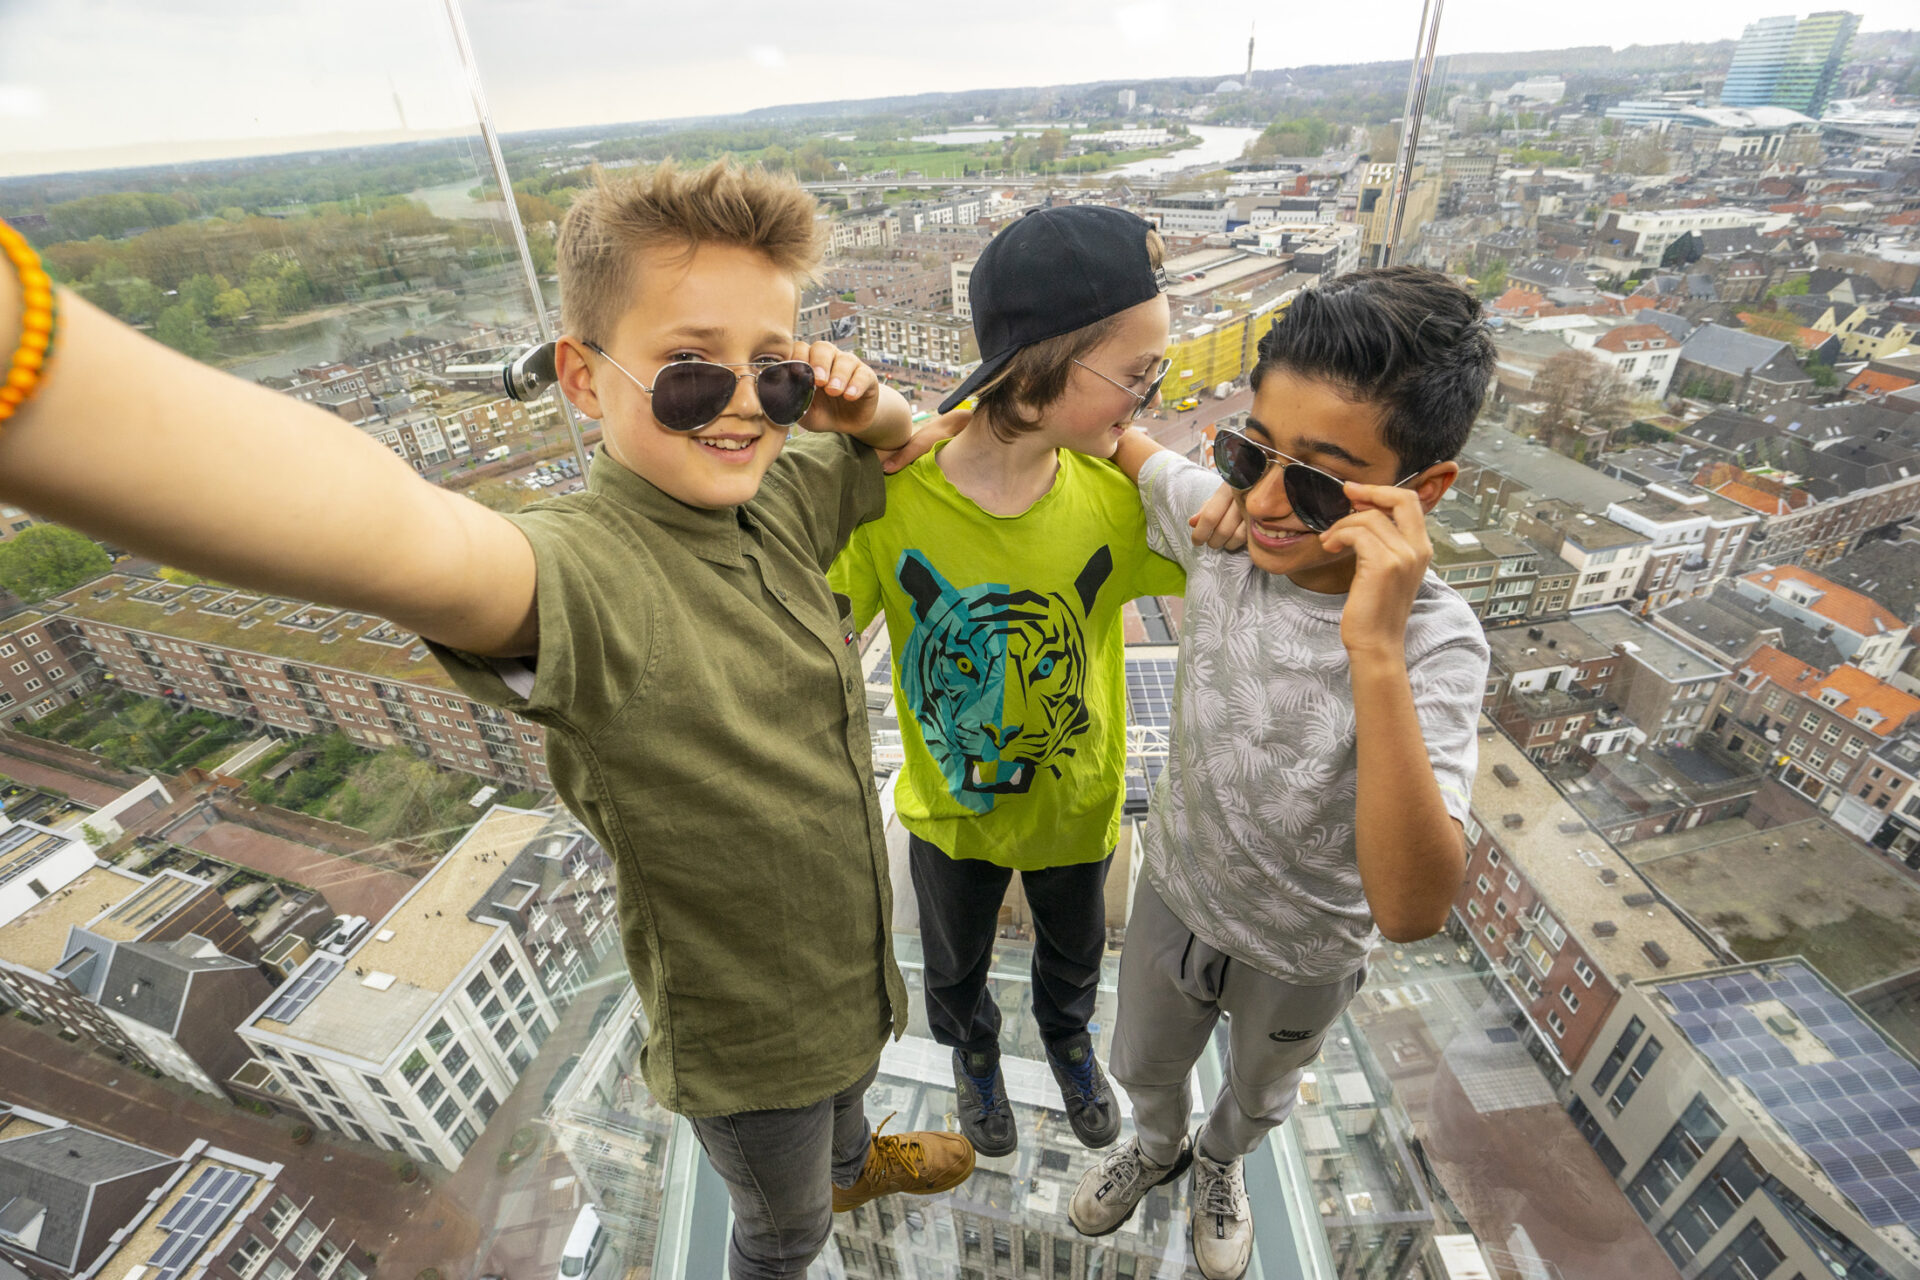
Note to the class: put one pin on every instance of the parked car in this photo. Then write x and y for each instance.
(342, 933)
(559, 1081)
(586, 1244)
(1183, 404)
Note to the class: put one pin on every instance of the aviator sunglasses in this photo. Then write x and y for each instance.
(688, 394)
(1318, 497)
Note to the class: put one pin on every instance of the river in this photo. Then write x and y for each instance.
(1218, 144)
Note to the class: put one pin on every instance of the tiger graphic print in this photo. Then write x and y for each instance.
(996, 676)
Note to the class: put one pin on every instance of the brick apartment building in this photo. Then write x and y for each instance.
(1559, 914)
(43, 665)
(941, 340)
(900, 285)
(1798, 528)
(1819, 729)
(297, 668)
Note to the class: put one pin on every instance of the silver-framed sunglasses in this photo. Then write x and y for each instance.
(1318, 497)
(1140, 399)
(688, 394)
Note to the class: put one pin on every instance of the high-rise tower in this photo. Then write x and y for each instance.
(1783, 62)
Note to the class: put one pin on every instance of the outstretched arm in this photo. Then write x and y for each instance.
(144, 447)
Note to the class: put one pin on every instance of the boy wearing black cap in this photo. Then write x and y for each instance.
(1002, 563)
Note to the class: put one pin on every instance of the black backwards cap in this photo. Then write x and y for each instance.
(1050, 273)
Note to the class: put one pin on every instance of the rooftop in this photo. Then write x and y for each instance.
(1566, 861)
(1728, 626)
(1652, 648)
(1841, 1091)
(1847, 691)
(1597, 533)
(1838, 605)
(1549, 474)
(37, 940)
(1887, 571)
(212, 615)
(149, 1238)
(1808, 889)
(422, 945)
(1550, 644)
(1622, 789)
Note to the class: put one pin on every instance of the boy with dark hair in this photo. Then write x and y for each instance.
(1324, 719)
(671, 627)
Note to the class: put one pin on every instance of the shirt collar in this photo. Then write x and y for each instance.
(712, 533)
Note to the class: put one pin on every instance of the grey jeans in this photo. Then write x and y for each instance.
(1173, 989)
(780, 1168)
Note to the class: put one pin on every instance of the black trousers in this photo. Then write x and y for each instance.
(959, 917)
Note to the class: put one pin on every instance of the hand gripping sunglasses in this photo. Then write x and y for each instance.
(1318, 497)
(687, 394)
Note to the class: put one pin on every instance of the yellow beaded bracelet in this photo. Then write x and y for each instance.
(36, 323)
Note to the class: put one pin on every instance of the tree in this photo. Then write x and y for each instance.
(46, 559)
(1645, 154)
(1493, 281)
(1576, 389)
(231, 305)
(139, 299)
(1052, 143)
(1791, 287)
(183, 329)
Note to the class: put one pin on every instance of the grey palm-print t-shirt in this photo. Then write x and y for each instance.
(1250, 837)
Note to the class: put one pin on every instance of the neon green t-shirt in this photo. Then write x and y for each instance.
(1009, 669)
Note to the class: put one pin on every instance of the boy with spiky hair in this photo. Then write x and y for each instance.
(671, 627)
(1323, 747)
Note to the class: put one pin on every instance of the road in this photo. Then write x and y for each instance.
(352, 1182)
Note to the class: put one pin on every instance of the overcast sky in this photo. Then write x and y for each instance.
(161, 81)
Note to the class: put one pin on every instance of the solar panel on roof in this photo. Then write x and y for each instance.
(1856, 1115)
(195, 1216)
(299, 993)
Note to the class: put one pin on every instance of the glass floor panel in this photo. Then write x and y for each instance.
(1009, 1219)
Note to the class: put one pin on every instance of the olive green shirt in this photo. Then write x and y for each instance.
(706, 720)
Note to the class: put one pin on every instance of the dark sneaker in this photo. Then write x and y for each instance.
(1092, 1109)
(919, 1164)
(1114, 1188)
(985, 1115)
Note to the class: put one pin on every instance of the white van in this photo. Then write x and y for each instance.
(344, 932)
(586, 1244)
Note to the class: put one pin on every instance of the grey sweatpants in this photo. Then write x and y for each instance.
(1173, 989)
(780, 1168)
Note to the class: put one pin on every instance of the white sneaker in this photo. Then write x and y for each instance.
(1221, 1220)
(1114, 1188)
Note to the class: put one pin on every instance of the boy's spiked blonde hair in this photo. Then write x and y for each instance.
(667, 207)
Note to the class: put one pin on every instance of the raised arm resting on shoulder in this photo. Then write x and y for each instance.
(134, 443)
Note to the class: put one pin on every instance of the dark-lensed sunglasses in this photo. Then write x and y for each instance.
(1141, 399)
(1318, 497)
(688, 394)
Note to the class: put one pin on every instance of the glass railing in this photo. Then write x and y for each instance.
(298, 940)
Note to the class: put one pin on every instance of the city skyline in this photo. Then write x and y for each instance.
(303, 93)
